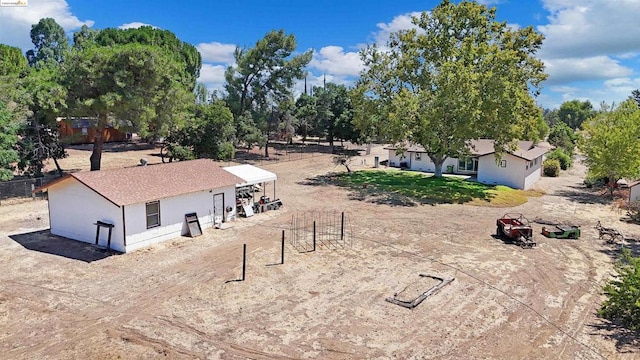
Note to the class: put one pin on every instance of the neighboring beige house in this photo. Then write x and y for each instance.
(519, 169)
(141, 205)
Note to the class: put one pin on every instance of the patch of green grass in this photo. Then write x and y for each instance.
(424, 188)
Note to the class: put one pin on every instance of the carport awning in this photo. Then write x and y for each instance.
(251, 174)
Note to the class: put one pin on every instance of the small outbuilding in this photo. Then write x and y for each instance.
(130, 208)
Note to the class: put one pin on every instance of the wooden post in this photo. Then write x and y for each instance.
(97, 232)
(282, 253)
(314, 236)
(342, 227)
(244, 260)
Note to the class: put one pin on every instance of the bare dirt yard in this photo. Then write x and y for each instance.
(61, 299)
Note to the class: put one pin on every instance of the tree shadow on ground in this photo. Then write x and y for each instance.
(584, 195)
(614, 250)
(627, 341)
(45, 242)
(392, 188)
(117, 147)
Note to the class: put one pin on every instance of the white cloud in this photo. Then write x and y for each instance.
(135, 25)
(610, 91)
(582, 69)
(590, 28)
(333, 60)
(217, 52)
(619, 89)
(593, 45)
(15, 22)
(212, 76)
(400, 22)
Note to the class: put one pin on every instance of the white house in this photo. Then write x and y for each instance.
(518, 169)
(142, 205)
(634, 191)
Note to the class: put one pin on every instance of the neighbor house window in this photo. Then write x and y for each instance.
(503, 163)
(418, 156)
(153, 214)
(468, 164)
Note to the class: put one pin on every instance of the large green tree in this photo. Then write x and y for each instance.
(139, 87)
(39, 136)
(306, 114)
(211, 133)
(575, 112)
(12, 62)
(261, 78)
(611, 143)
(50, 42)
(563, 137)
(85, 37)
(335, 113)
(13, 68)
(182, 52)
(458, 75)
(8, 138)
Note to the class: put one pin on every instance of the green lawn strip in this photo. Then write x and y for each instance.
(425, 188)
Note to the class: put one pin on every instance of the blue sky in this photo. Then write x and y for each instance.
(591, 50)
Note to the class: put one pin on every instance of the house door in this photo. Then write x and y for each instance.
(218, 208)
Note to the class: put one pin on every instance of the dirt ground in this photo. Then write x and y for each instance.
(61, 299)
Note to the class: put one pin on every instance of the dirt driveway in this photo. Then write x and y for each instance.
(61, 299)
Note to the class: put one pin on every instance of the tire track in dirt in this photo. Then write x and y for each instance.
(137, 308)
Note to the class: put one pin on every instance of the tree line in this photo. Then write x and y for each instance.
(458, 74)
(144, 80)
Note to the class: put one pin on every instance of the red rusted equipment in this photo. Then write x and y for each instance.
(515, 227)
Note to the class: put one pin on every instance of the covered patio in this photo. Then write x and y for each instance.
(255, 180)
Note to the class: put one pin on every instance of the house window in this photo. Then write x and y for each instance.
(418, 156)
(84, 131)
(468, 164)
(153, 214)
(535, 161)
(503, 163)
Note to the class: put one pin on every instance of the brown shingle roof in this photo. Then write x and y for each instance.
(146, 183)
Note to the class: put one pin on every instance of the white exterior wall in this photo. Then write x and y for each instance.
(74, 210)
(512, 175)
(634, 193)
(395, 159)
(172, 221)
(425, 164)
(533, 173)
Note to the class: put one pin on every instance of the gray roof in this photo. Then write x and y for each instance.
(527, 150)
(147, 183)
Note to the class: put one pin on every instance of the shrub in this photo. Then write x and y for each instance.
(551, 167)
(591, 181)
(623, 293)
(565, 160)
